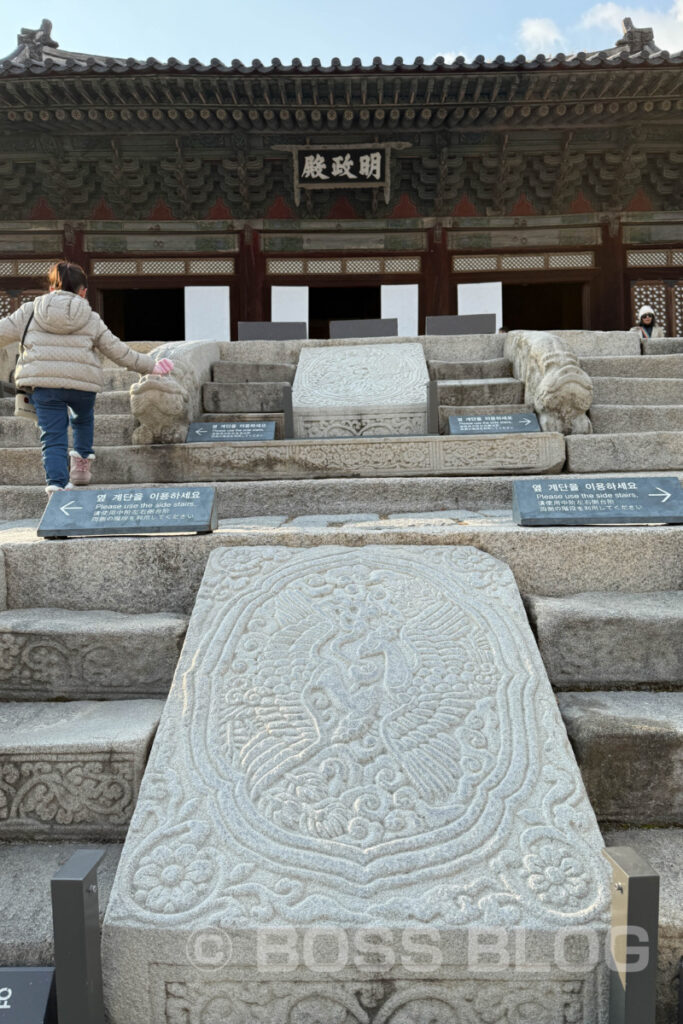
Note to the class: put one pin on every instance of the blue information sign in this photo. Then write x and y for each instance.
(27, 995)
(164, 508)
(256, 430)
(618, 501)
(494, 423)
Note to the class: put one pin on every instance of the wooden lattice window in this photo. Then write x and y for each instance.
(666, 298)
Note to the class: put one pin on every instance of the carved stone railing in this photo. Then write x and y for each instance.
(554, 383)
(165, 406)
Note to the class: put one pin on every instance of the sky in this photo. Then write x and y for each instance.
(264, 29)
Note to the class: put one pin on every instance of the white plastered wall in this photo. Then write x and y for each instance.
(486, 297)
(289, 304)
(401, 301)
(207, 313)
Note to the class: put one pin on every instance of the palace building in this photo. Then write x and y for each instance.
(545, 189)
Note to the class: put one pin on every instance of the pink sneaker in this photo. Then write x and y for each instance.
(79, 470)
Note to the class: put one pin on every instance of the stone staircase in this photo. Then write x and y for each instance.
(91, 628)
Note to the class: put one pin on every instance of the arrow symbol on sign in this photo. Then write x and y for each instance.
(70, 506)
(525, 421)
(200, 430)
(660, 493)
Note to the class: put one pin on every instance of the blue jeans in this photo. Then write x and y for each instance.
(56, 407)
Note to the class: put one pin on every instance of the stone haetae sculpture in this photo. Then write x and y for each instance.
(165, 406)
(554, 383)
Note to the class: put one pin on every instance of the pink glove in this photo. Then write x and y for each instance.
(163, 366)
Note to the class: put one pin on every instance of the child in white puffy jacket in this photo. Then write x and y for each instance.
(60, 366)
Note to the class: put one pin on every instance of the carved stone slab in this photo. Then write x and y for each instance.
(359, 742)
(361, 391)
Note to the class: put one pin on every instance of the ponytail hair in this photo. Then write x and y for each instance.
(67, 277)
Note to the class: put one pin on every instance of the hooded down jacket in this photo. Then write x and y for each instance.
(63, 344)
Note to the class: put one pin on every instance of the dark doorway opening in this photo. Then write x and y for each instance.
(325, 304)
(145, 314)
(543, 307)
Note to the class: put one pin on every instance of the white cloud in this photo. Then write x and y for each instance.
(667, 25)
(540, 35)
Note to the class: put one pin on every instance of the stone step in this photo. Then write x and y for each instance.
(72, 771)
(331, 497)
(470, 369)
(137, 346)
(119, 379)
(662, 848)
(493, 391)
(650, 451)
(341, 457)
(604, 641)
(637, 391)
(110, 402)
(634, 366)
(235, 373)
(26, 870)
(109, 430)
(161, 573)
(630, 750)
(632, 419)
(258, 397)
(55, 654)
(663, 346)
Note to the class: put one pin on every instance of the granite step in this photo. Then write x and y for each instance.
(26, 870)
(57, 654)
(632, 419)
(161, 573)
(649, 451)
(637, 391)
(492, 391)
(663, 346)
(629, 747)
(226, 372)
(257, 397)
(602, 641)
(470, 369)
(634, 366)
(118, 378)
(308, 458)
(73, 770)
(330, 497)
(662, 848)
(109, 430)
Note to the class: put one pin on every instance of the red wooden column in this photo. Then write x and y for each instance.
(250, 298)
(609, 299)
(436, 278)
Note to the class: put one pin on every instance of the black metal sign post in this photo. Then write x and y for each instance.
(433, 407)
(635, 919)
(76, 924)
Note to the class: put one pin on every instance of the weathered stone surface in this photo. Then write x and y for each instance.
(630, 750)
(470, 369)
(26, 870)
(312, 457)
(604, 640)
(163, 573)
(559, 390)
(600, 343)
(631, 419)
(114, 403)
(338, 752)
(72, 770)
(663, 346)
(233, 372)
(637, 391)
(119, 379)
(231, 398)
(109, 430)
(634, 366)
(663, 849)
(492, 391)
(357, 391)
(48, 653)
(657, 450)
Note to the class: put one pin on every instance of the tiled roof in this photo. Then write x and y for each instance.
(38, 54)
